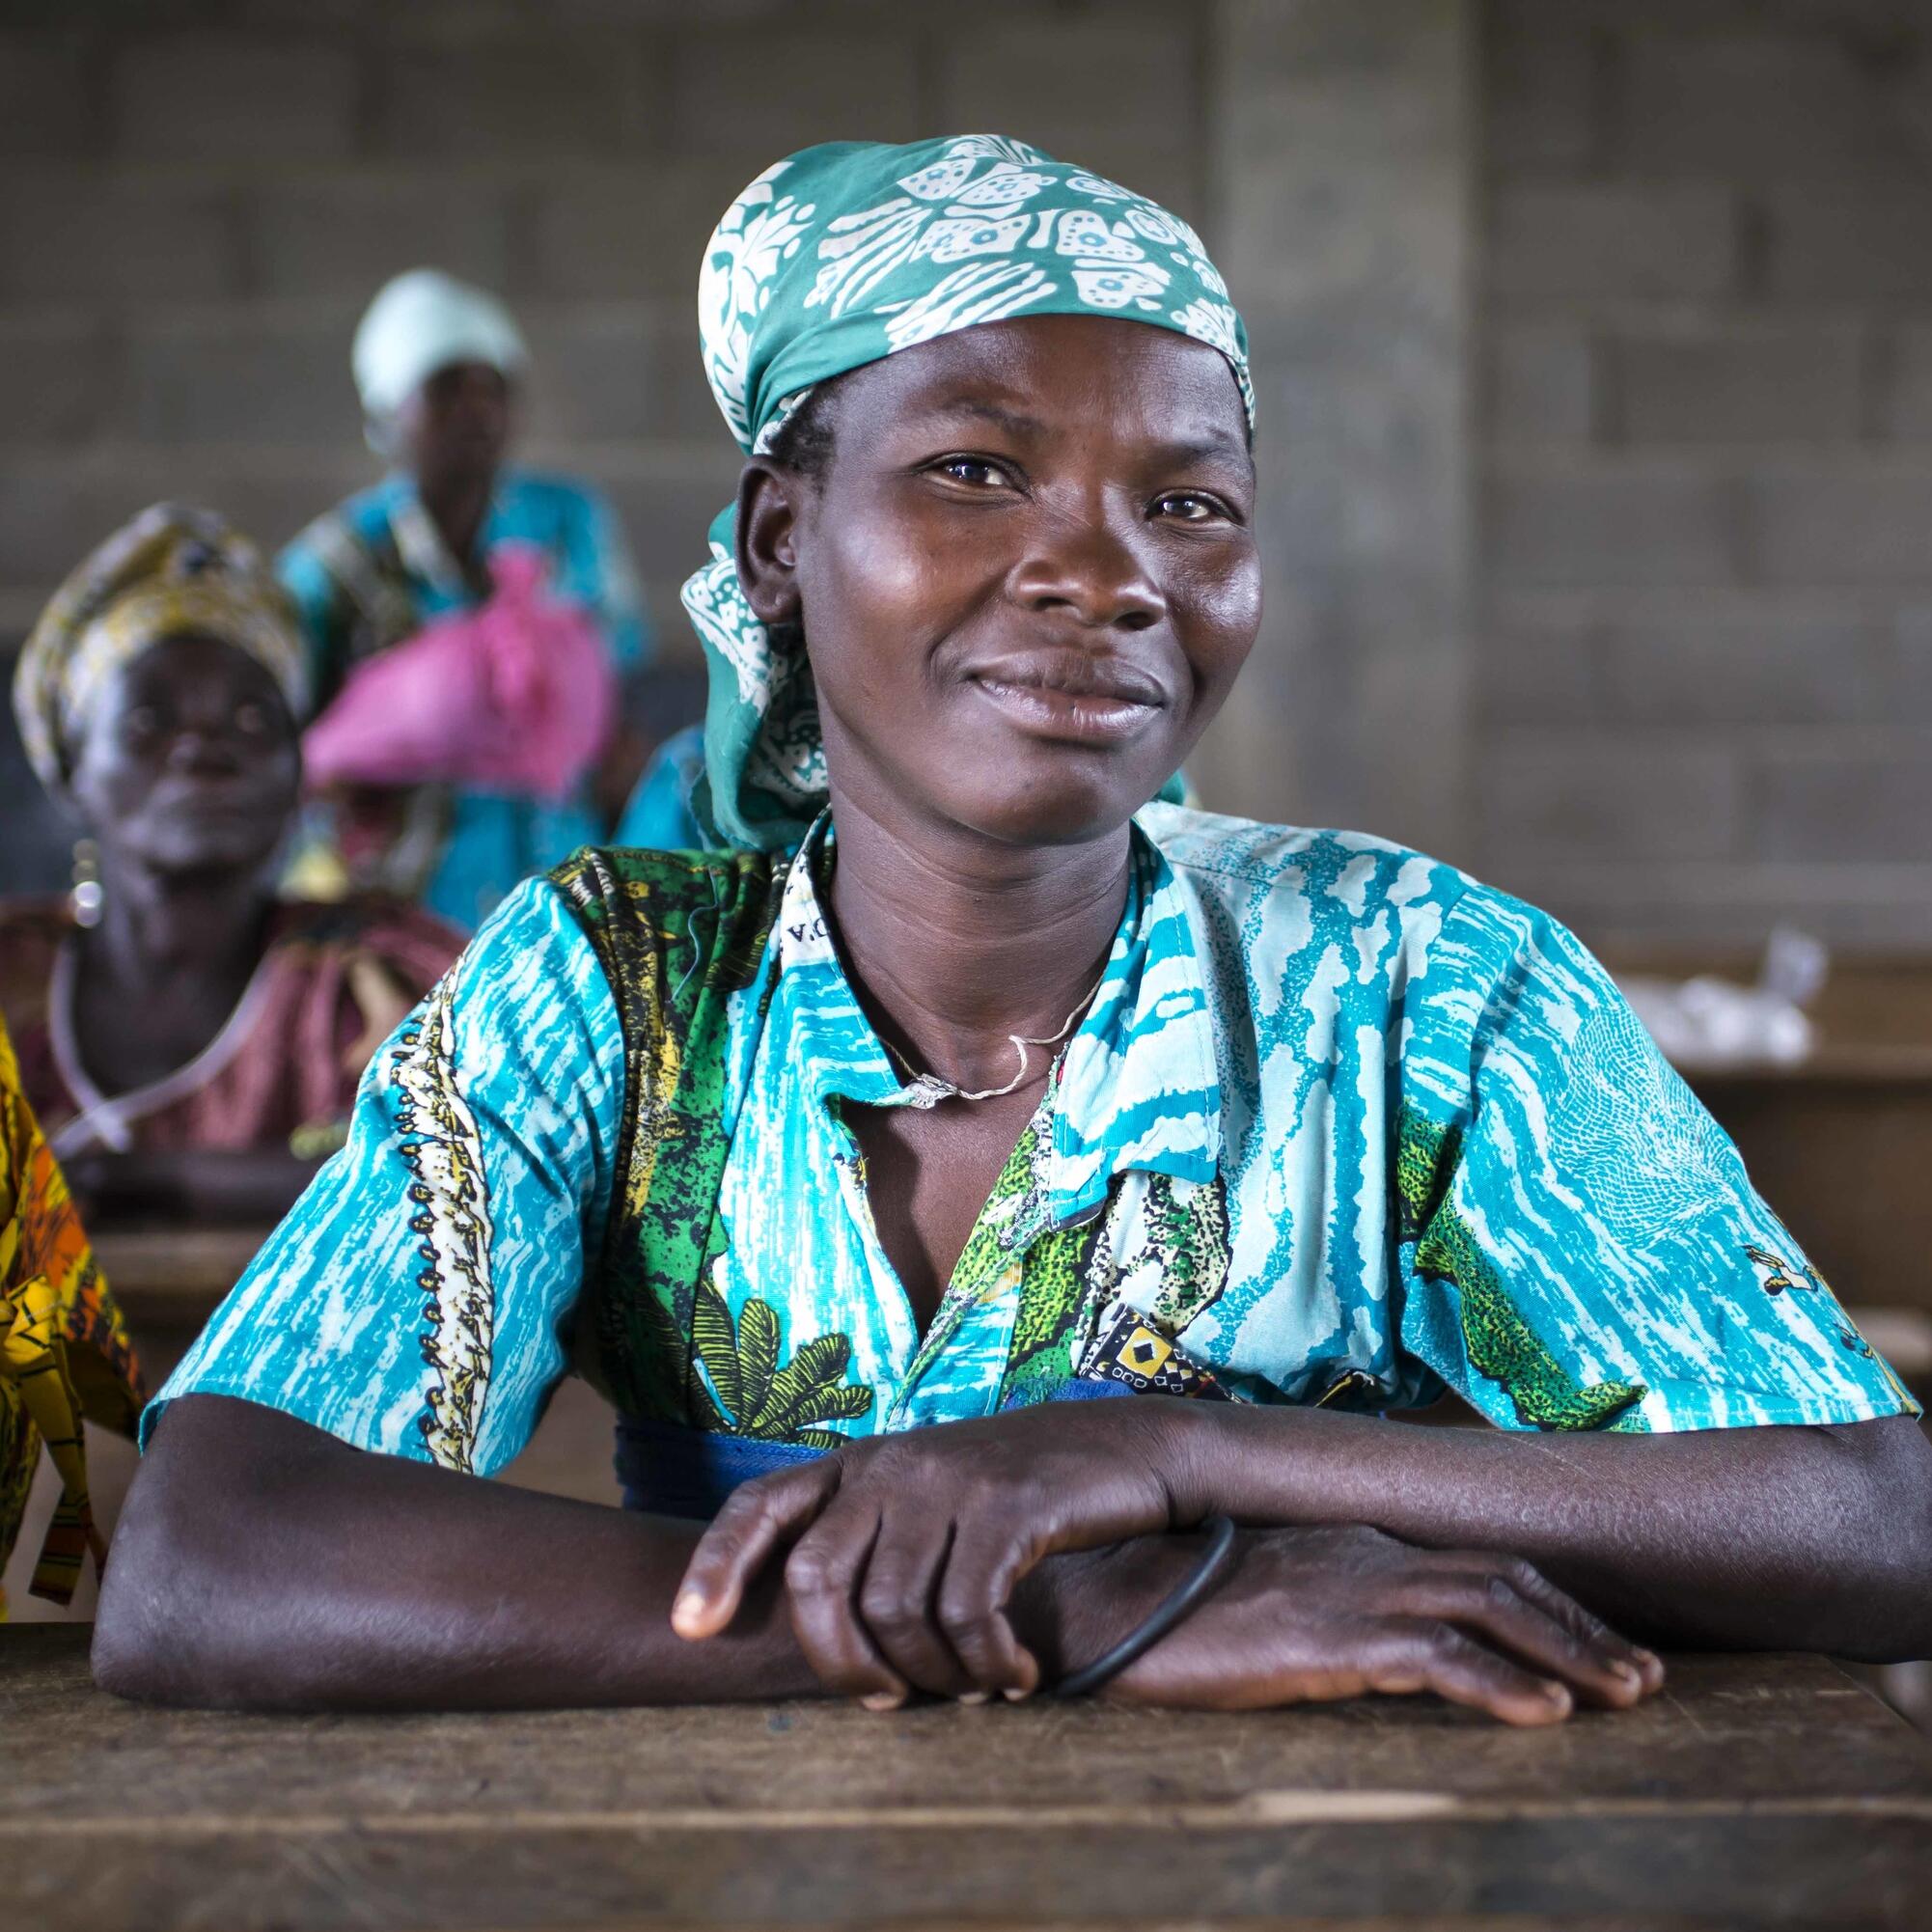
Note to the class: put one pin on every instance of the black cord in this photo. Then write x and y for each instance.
(1136, 1643)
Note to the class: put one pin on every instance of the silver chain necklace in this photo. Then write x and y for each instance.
(928, 1090)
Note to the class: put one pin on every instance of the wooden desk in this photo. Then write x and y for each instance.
(1754, 1791)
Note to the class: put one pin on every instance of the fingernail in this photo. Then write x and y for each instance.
(1555, 1693)
(1014, 1695)
(1645, 1659)
(689, 1607)
(884, 1700)
(1625, 1673)
(976, 1697)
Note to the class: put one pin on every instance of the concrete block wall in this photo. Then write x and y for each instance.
(1703, 427)
(198, 196)
(1654, 275)
(1344, 136)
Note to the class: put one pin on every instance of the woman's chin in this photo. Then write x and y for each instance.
(1074, 810)
(1007, 787)
(208, 852)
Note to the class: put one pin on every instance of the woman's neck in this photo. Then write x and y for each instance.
(156, 927)
(956, 944)
(458, 509)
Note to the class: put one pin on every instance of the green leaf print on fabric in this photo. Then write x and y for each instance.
(845, 1403)
(994, 1251)
(757, 1353)
(1500, 1342)
(1187, 1240)
(1055, 1318)
(1176, 1229)
(678, 934)
(739, 1360)
(716, 1338)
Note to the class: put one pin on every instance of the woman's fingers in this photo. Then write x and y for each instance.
(981, 1575)
(1530, 1582)
(1409, 1654)
(757, 1518)
(1508, 1575)
(822, 1583)
(897, 1601)
(877, 1611)
(1489, 1606)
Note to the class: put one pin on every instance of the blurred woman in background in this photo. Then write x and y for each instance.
(428, 796)
(190, 1043)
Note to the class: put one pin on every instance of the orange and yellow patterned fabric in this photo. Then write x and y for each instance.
(65, 1356)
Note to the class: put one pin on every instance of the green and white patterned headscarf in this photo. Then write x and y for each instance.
(847, 253)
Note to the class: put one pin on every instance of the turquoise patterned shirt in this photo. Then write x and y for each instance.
(372, 572)
(1341, 1126)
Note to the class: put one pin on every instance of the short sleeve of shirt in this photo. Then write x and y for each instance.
(1581, 1245)
(418, 1299)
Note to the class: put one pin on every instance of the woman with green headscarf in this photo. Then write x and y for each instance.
(961, 1085)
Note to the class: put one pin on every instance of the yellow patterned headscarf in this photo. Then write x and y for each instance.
(174, 569)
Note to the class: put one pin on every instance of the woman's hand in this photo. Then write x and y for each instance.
(1310, 1614)
(905, 1549)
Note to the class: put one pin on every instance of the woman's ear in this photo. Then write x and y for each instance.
(767, 540)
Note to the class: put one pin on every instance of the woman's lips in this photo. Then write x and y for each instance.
(212, 799)
(1088, 704)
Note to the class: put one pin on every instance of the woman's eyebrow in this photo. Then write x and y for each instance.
(1207, 446)
(1015, 422)
(1214, 444)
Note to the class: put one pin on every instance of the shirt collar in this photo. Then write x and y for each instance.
(1138, 1086)
(830, 1035)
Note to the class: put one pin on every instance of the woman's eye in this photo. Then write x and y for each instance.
(142, 722)
(974, 470)
(251, 720)
(1189, 507)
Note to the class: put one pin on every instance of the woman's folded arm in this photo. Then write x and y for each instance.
(261, 1562)
(1797, 1539)
(1770, 1537)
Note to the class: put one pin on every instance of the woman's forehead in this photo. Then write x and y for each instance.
(189, 657)
(1043, 374)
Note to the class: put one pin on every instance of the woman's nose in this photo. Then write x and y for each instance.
(1084, 568)
(200, 748)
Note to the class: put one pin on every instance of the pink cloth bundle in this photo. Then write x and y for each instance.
(514, 696)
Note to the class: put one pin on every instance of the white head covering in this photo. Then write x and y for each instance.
(421, 321)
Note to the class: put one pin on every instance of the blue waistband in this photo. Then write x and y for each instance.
(672, 1471)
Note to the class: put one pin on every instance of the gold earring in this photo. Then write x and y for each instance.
(86, 894)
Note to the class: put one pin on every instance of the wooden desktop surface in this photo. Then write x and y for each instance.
(1754, 1791)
